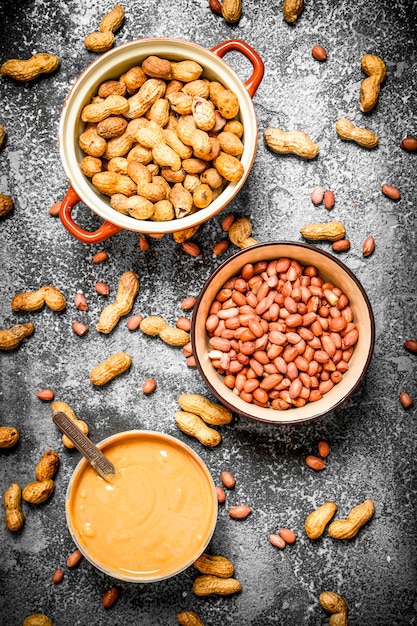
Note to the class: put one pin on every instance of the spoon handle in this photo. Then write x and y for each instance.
(84, 445)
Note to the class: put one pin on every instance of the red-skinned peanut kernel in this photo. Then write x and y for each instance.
(315, 462)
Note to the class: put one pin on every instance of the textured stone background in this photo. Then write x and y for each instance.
(373, 439)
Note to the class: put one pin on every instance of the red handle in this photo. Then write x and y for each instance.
(106, 230)
(254, 80)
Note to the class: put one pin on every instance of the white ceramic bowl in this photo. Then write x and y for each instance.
(331, 269)
(112, 65)
(154, 519)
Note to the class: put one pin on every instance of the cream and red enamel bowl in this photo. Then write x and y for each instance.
(331, 269)
(112, 65)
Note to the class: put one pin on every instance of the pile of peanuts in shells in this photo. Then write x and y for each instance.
(161, 142)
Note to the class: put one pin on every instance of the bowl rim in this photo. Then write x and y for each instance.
(351, 390)
(83, 463)
(99, 203)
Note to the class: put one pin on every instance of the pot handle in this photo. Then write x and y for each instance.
(106, 230)
(254, 80)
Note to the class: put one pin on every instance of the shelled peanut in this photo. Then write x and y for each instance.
(280, 335)
(162, 141)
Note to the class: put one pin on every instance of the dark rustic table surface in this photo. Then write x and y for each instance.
(372, 437)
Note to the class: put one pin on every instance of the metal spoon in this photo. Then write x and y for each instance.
(94, 456)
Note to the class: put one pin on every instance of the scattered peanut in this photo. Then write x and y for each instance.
(221, 495)
(79, 328)
(6, 204)
(315, 462)
(134, 322)
(188, 303)
(336, 605)
(102, 289)
(375, 69)
(183, 323)
(46, 395)
(228, 221)
(55, 209)
(211, 413)
(391, 192)
(240, 232)
(291, 142)
(58, 576)
(110, 597)
(34, 300)
(215, 6)
(231, 10)
(115, 365)
(74, 558)
(3, 135)
(58, 407)
(153, 325)
(331, 231)
(37, 619)
(192, 425)
(323, 448)
(25, 70)
(156, 325)
(341, 245)
(411, 345)
(214, 565)
(409, 144)
(11, 338)
(9, 436)
(149, 385)
(126, 293)
(292, 10)
(100, 257)
(207, 585)
(80, 301)
(405, 400)
(12, 504)
(362, 136)
(317, 521)
(220, 247)
(277, 541)
(190, 618)
(368, 246)
(38, 491)
(47, 467)
(358, 516)
(319, 53)
(174, 336)
(191, 248)
(240, 511)
(328, 199)
(317, 195)
(288, 535)
(228, 480)
(104, 39)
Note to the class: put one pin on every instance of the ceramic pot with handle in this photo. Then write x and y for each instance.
(112, 65)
